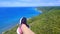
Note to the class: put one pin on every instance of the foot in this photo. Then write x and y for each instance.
(24, 21)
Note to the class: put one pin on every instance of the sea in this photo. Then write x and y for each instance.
(9, 16)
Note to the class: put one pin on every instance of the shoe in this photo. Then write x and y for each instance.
(23, 20)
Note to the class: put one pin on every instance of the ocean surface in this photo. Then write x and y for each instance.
(9, 16)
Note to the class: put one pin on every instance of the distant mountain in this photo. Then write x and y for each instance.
(48, 8)
(46, 23)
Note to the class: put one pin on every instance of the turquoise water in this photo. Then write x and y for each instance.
(9, 16)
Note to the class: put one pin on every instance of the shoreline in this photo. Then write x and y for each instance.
(38, 10)
(9, 28)
(18, 23)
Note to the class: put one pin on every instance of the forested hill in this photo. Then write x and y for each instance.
(46, 23)
(48, 8)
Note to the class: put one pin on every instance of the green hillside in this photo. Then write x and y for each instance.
(47, 8)
(45, 23)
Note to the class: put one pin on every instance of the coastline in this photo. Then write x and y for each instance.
(18, 23)
(38, 10)
(9, 28)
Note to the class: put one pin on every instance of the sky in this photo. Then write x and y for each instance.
(27, 3)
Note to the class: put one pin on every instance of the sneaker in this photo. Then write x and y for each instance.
(24, 21)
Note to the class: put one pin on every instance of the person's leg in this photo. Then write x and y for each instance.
(26, 30)
(24, 27)
(19, 30)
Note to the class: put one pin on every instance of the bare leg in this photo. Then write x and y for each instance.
(26, 30)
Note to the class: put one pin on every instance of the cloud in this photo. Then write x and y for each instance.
(29, 3)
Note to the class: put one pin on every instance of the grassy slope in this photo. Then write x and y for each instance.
(46, 23)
